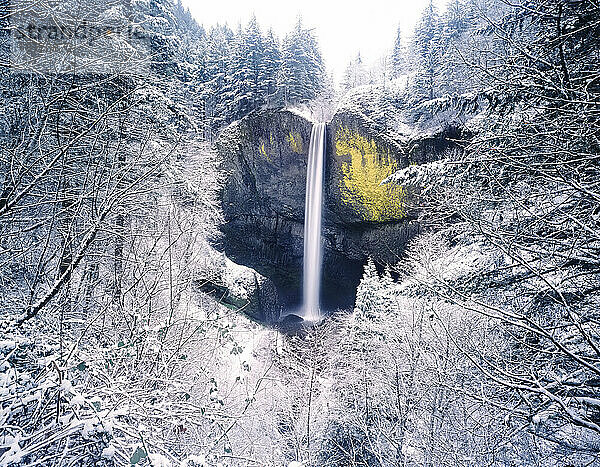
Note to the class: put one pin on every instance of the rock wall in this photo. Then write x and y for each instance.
(240, 288)
(265, 157)
(363, 217)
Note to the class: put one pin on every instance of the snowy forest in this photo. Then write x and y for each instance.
(154, 196)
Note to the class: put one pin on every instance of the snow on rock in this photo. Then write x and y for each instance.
(240, 280)
(302, 111)
(255, 294)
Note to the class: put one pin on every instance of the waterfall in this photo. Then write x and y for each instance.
(312, 223)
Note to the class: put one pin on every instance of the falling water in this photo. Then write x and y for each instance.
(312, 223)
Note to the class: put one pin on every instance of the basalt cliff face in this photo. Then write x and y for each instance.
(265, 157)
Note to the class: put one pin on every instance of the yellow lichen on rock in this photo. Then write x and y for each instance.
(263, 151)
(295, 141)
(360, 185)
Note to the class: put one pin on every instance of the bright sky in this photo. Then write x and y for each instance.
(343, 27)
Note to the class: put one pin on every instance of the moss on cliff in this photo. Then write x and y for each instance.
(263, 152)
(368, 165)
(295, 140)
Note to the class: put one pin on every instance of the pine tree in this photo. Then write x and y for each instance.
(237, 90)
(253, 64)
(324, 105)
(161, 35)
(355, 74)
(426, 51)
(302, 73)
(293, 74)
(398, 55)
(458, 22)
(270, 69)
(216, 107)
(367, 294)
(314, 66)
(458, 18)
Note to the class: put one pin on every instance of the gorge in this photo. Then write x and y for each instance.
(266, 156)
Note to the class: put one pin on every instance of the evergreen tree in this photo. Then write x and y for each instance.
(324, 105)
(457, 24)
(302, 73)
(237, 88)
(162, 35)
(254, 61)
(426, 54)
(457, 19)
(398, 55)
(355, 74)
(315, 69)
(270, 69)
(216, 108)
(185, 23)
(293, 76)
(368, 303)
(252, 69)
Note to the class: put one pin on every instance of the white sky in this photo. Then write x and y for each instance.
(343, 27)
